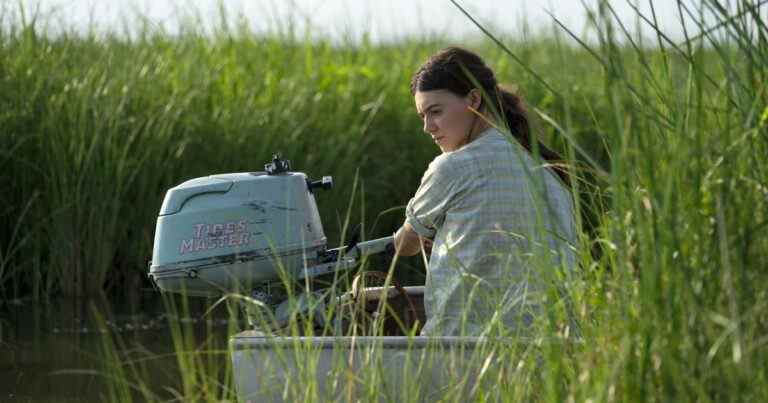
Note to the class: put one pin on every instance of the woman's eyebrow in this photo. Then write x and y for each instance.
(428, 108)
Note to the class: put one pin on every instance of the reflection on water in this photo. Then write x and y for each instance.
(55, 351)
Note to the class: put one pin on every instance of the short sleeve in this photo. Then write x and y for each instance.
(426, 210)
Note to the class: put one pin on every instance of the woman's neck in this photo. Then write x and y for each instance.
(479, 125)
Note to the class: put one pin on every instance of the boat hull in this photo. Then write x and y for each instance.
(385, 368)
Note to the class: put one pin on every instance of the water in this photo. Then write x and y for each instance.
(55, 351)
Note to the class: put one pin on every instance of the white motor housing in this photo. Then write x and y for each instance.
(229, 232)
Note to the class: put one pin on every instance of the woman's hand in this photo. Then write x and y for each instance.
(427, 244)
(407, 241)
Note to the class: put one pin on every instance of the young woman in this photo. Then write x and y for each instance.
(499, 221)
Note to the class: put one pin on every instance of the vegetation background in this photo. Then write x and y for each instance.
(668, 141)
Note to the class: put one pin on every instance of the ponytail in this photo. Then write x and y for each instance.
(516, 118)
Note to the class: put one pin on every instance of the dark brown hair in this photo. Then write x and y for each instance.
(459, 71)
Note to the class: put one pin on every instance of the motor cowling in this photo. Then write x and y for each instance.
(230, 232)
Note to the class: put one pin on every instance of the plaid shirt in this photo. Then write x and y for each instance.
(494, 213)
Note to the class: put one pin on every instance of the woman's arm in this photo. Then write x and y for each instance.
(407, 241)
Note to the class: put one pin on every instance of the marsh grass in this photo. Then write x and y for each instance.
(668, 142)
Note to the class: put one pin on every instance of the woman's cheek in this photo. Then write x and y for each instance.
(438, 122)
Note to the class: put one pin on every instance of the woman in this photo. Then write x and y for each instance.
(499, 221)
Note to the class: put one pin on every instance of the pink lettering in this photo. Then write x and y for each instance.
(216, 235)
(199, 230)
(199, 244)
(217, 229)
(233, 240)
(186, 246)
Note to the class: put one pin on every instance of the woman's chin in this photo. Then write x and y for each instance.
(445, 148)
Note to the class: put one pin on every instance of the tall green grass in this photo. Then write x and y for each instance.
(669, 140)
(96, 128)
(99, 128)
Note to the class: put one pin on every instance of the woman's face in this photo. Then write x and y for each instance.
(446, 116)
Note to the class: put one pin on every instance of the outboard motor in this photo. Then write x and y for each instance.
(241, 232)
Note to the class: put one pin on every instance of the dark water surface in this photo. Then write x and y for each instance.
(55, 351)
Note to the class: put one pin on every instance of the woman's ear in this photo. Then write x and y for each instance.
(475, 99)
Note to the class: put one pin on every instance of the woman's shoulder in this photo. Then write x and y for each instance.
(491, 143)
(494, 138)
(448, 169)
(442, 164)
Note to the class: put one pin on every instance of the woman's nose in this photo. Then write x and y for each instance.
(429, 126)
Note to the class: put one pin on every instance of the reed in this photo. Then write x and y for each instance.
(668, 140)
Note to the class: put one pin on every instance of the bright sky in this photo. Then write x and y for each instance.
(381, 19)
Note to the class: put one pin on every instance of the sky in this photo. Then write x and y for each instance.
(382, 20)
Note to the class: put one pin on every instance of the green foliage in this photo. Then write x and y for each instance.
(668, 142)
